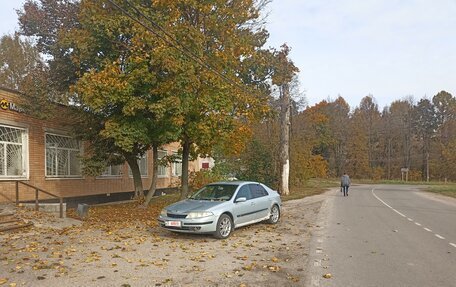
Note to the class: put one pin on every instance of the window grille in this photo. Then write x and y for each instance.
(12, 152)
(62, 156)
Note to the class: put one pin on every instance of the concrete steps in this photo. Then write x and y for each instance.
(10, 221)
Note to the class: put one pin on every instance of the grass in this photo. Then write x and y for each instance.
(448, 189)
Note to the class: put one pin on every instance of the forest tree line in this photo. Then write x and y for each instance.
(329, 138)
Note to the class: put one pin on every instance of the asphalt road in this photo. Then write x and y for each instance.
(385, 235)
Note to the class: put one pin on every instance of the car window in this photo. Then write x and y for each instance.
(244, 191)
(257, 190)
(219, 192)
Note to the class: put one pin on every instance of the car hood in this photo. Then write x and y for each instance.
(185, 206)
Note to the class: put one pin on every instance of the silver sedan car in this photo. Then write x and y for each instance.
(220, 207)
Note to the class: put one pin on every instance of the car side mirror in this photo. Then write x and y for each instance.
(240, 199)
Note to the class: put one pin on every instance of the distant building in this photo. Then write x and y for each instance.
(43, 154)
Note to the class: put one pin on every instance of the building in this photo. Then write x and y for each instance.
(42, 154)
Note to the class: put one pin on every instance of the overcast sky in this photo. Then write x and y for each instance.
(387, 48)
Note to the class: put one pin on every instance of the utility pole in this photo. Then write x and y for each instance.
(285, 138)
(283, 75)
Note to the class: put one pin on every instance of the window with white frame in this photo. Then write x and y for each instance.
(177, 165)
(62, 156)
(13, 152)
(112, 171)
(142, 162)
(162, 168)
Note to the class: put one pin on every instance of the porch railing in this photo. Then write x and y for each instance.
(37, 191)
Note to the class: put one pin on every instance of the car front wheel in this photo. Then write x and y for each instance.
(275, 214)
(224, 227)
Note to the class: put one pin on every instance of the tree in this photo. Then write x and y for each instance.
(217, 102)
(48, 21)
(445, 111)
(425, 125)
(45, 22)
(338, 113)
(400, 128)
(363, 138)
(309, 144)
(444, 104)
(18, 60)
(124, 85)
(88, 47)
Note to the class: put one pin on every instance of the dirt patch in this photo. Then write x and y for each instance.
(145, 255)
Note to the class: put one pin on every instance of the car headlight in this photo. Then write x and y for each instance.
(164, 213)
(199, 214)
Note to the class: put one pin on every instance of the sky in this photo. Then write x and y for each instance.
(390, 49)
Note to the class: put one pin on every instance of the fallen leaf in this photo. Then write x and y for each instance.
(274, 268)
(327, 276)
(249, 267)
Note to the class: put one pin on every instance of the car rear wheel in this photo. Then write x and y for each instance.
(275, 214)
(224, 227)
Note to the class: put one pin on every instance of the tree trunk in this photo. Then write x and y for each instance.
(138, 186)
(285, 140)
(153, 184)
(184, 177)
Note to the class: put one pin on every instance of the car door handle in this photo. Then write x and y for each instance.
(252, 203)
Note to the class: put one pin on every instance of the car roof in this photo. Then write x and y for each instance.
(234, 182)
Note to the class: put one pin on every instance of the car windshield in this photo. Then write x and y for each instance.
(218, 192)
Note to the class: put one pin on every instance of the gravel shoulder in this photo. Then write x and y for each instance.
(257, 255)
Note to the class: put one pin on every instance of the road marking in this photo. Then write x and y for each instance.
(408, 218)
(401, 214)
(315, 281)
(439, 236)
(381, 200)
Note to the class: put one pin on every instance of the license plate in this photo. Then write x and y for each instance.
(173, 223)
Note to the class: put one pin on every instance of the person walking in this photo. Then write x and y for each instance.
(345, 183)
